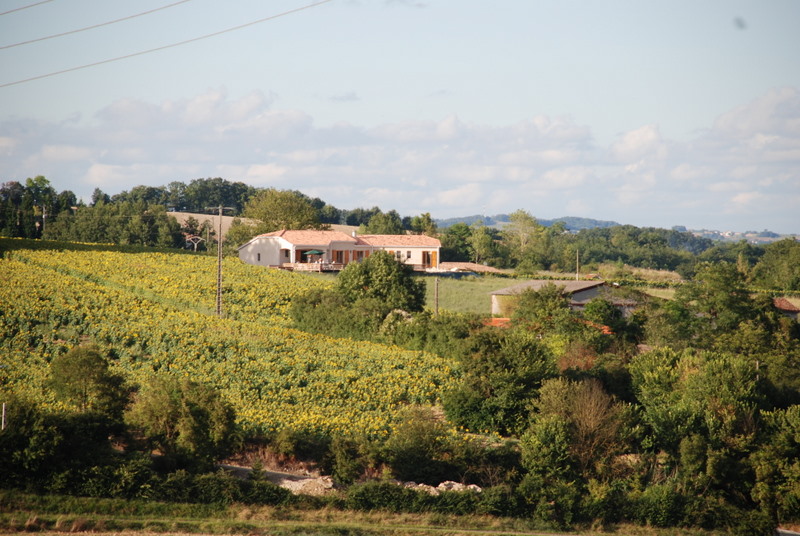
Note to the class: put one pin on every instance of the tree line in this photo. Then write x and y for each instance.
(141, 216)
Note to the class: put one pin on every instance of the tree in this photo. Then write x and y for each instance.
(779, 268)
(521, 235)
(424, 224)
(239, 233)
(387, 223)
(481, 242)
(282, 209)
(502, 372)
(419, 447)
(718, 296)
(456, 242)
(381, 277)
(99, 197)
(360, 216)
(594, 419)
(82, 377)
(547, 307)
(190, 423)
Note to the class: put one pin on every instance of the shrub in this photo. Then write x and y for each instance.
(178, 487)
(553, 501)
(660, 505)
(605, 502)
(216, 488)
(498, 501)
(455, 502)
(263, 492)
(420, 448)
(382, 496)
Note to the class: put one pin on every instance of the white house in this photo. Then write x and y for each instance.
(332, 250)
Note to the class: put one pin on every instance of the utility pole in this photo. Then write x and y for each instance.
(436, 297)
(219, 262)
(577, 264)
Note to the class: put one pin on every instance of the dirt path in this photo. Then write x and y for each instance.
(296, 483)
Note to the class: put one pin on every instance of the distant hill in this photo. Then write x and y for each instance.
(573, 223)
(570, 222)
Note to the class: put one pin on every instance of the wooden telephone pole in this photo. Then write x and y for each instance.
(219, 261)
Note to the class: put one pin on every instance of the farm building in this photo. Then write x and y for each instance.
(312, 250)
(579, 293)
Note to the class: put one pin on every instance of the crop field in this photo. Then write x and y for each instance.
(154, 313)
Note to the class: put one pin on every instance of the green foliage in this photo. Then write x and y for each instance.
(501, 373)
(281, 209)
(124, 223)
(718, 297)
(456, 245)
(382, 496)
(594, 421)
(681, 393)
(46, 451)
(660, 505)
(385, 223)
(424, 224)
(382, 278)
(188, 422)
(547, 307)
(81, 377)
(420, 448)
(779, 267)
(239, 233)
(482, 245)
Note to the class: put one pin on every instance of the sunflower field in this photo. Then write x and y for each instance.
(154, 312)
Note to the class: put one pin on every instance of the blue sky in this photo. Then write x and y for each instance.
(647, 113)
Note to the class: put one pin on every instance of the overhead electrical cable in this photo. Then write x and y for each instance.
(24, 7)
(164, 47)
(92, 27)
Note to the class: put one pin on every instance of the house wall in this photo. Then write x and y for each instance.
(262, 252)
(266, 251)
(414, 256)
(503, 305)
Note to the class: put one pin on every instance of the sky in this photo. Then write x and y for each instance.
(657, 113)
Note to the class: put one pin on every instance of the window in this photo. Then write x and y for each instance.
(408, 254)
(258, 257)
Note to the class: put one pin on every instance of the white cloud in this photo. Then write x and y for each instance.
(567, 177)
(7, 145)
(749, 159)
(777, 112)
(644, 142)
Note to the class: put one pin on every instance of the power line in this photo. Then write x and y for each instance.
(129, 17)
(172, 45)
(24, 7)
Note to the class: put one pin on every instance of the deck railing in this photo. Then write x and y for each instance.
(313, 266)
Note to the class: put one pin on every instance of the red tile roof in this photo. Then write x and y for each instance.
(400, 241)
(310, 237)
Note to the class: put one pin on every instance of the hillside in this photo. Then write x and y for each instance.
(155, 312)
(571, 223)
